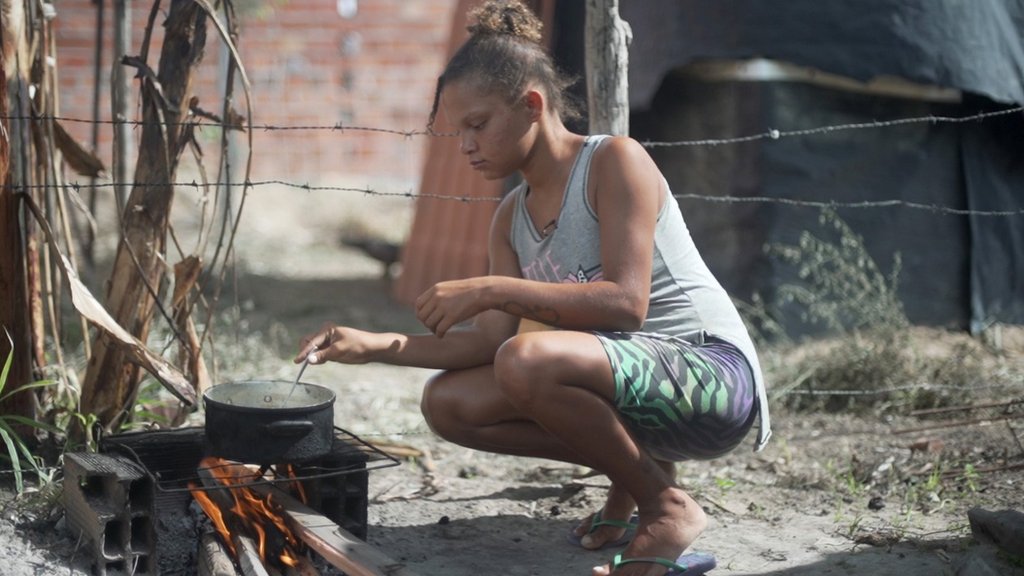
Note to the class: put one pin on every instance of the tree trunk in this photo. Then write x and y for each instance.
(14, 284)
(111, 380)
(607, 61)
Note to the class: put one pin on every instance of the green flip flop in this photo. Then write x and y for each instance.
(692, 564)
(596, 522)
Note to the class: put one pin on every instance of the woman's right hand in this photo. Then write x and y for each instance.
(338, 344)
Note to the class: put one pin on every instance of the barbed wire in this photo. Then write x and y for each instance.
(206, 122)
(820, 204)
(773, 134)
(854, 204)
(770, 134)
(881, 391)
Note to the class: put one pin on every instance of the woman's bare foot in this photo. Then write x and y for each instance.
(618, 506)
(667, 528)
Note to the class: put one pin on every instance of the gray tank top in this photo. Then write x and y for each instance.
(686, 300)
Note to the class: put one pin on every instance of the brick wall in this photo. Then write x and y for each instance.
(308, 65)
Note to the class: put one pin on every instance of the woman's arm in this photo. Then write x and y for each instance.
(460, 347)
(626, 192)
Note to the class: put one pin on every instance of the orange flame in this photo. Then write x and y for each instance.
(250, 513)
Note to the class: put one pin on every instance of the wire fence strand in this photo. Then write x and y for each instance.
(819, 204)
(770, 134)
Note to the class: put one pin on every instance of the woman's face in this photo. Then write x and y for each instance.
(495, 136)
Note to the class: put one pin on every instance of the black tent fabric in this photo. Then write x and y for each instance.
(965, 271)
(993, 160)
(915, 163)
(957, 270)
(975, 46)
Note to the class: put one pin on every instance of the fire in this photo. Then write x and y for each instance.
(248, 514)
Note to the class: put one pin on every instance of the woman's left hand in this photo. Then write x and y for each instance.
(446, 304)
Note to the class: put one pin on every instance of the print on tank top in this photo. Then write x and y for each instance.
(544, 269)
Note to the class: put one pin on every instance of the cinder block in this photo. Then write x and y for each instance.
(109, 504)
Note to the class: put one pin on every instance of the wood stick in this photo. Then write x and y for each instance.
(965, 407)
(983, 470)
(248, 556)
(337, 546)
(213, 558)
(958, 423)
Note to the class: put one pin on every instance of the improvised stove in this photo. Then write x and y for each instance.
(132, 502)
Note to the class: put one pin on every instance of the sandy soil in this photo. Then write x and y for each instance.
(832, 494)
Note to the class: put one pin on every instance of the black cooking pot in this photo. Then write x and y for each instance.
(257, 422)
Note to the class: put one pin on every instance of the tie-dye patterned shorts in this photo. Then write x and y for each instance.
(681, 400)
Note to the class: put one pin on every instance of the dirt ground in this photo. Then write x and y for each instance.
(834, 493)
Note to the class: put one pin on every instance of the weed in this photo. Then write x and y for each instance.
(842, 286)
(724, 483)
(866, 364)
(970, 478)
(934, 481)
(853, 485)
(18, 454)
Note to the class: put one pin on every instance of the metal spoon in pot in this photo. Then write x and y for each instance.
(299, 377)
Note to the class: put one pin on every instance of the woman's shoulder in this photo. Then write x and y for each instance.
(615, 154)
(623, 147)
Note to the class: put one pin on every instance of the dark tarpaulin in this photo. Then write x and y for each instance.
(957, 270)
(971, 45)
(915, 163)
(993, 158)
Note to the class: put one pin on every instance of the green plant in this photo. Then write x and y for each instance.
(841, 285)
(854, 526)
(18, 454)
(934, 481)
(970, 477)
(866, 364)
(151, 407)
(852, 484)
(724, 483)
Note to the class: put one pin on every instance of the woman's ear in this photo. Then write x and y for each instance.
(534, 102)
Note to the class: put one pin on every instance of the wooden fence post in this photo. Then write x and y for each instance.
(607, 62)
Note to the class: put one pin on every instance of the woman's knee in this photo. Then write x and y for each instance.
(436, 404)
(457, 402)
(519, 368)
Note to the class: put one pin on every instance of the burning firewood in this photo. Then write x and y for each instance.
(213, 557)
(253, 530)
(304, 567)
(248, 556)
(335, 544)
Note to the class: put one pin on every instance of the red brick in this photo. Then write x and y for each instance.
(293, 56)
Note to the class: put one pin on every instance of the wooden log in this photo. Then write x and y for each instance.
(219, 493)
(248, 556)
(213, 558)
(336, 545)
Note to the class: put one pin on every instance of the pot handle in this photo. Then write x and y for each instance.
(289, 427)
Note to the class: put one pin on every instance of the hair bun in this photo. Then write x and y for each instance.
(509, 17)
